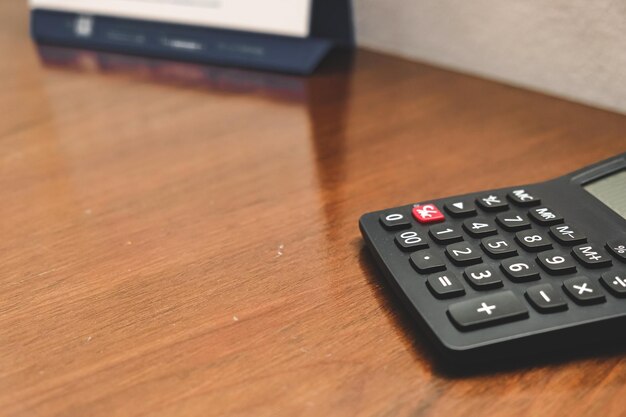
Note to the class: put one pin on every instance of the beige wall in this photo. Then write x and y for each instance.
(570, 48)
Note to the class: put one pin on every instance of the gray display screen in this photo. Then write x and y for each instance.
(611, 191)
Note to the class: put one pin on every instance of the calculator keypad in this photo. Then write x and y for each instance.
(502, 240)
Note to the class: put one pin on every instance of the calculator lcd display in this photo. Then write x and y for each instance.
(611, 191)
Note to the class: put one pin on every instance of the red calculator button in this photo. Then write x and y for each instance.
(427, 213)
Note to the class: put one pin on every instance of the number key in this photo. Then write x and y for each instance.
(463, 254)
(532, 241)
(556, 263)
(393, 221)
(498, 247)
(482, 277)
(511, 222)
(479, 227)
(519, 269)
(443, 233)
(410, 240)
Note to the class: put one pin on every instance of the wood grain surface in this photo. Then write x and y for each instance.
(179, 240)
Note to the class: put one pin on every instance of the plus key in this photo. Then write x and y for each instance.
(427, 213)
(487, 310)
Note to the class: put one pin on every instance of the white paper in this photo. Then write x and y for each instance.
(279, 17)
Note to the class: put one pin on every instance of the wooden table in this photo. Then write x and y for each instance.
(182, 240)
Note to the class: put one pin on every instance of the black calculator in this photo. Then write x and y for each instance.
(531, 268)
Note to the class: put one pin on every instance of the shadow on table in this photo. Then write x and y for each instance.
(203, 77)
(425, 351)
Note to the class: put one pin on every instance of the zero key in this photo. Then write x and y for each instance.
(394, 221)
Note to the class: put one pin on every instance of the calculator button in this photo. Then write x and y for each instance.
(427, 213)
(556, 263)
(617, 248)
(583, 290)
(591, 256)
(463, 254)
(519, 269)
(498, 247)
(443, 233)
(545, 299)
(410, 240)
(545, 216)
(426, 262)
(393, 221)
(523, 198)
(615, 282)
(487, 310)
(482, 277)
(567, 235)
(479, 227)
(512, 222)
(533, 241)
(460, 208)
(445, 285)
(492, 202)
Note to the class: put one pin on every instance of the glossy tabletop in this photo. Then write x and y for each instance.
(181, 240)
